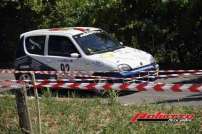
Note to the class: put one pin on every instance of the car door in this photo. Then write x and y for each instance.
(34, 48)
(58, 55)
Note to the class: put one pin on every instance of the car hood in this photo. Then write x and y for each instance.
(133, 57)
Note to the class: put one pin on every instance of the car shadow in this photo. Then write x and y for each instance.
(185, 99)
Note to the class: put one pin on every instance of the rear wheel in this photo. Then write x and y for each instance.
(25, 77)
(28, 77)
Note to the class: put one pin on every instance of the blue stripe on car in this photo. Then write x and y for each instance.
(137, 70)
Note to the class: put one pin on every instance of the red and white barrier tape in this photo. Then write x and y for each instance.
(82, 74)
(146, 75)
(7, 85)
(178, 75)
(178, 71)
(90, 72)
(139, 77)
(8, 71)
(158, 87)
(100, 79)
(72, 80)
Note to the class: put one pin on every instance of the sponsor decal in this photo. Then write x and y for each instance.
(35, 64)
(159, 116)
(88, 33)
(108, 55)
(24, 66)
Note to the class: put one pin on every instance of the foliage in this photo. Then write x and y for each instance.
(170, 30)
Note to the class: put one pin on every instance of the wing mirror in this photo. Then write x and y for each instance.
(75, 55)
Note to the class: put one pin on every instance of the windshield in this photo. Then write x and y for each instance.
(97, 42)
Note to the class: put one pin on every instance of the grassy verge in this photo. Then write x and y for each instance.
(92, 116)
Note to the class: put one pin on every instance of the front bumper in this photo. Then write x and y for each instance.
(144, 70)
(138, 71)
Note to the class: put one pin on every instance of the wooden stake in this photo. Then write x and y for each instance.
(37, 103)
(23, 112)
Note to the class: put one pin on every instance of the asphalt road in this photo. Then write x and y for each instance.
(172, 98)
(147, 97)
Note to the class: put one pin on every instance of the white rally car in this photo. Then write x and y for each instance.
(80, 49)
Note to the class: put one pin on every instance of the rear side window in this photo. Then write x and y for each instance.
(60, 46)
(35, 44)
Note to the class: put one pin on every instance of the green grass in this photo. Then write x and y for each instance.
(91, 116)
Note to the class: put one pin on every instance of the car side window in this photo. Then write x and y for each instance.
(60, 46)
(35, 44)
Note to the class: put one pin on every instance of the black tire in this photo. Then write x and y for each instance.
(25, 76)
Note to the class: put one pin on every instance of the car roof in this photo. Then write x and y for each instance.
(68, 30)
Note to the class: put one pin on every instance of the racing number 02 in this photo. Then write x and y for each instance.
(64, 67)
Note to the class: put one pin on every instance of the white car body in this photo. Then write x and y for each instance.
(111, 61)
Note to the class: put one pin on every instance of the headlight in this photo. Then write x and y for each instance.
(124, 67)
